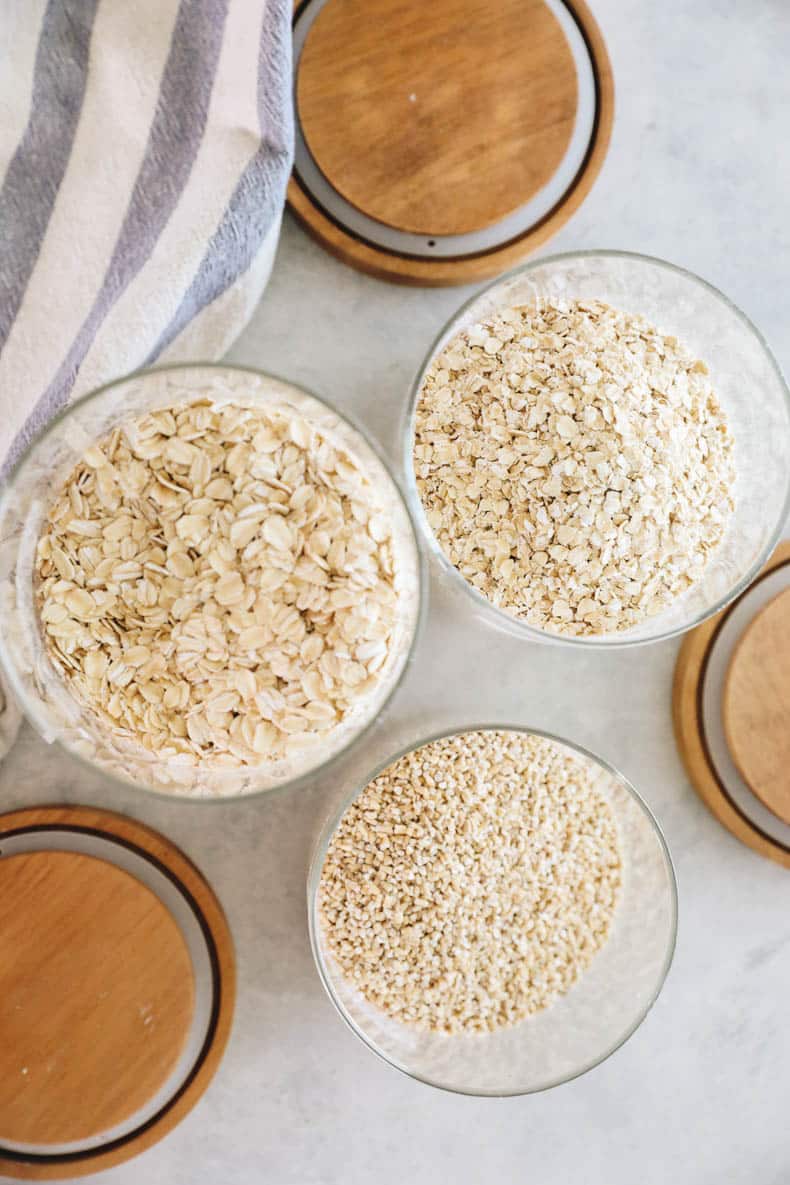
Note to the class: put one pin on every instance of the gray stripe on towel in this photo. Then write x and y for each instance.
(258, 196)
(36, 169)
(173, 143)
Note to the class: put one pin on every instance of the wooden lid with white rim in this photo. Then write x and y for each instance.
(756, 705)
(442, 143)
(731, 706)
(116, 990)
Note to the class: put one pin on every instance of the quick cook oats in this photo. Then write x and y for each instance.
(574, 464)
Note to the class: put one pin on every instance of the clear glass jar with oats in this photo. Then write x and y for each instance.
(211, 582)
(597, 450)
(493, 910)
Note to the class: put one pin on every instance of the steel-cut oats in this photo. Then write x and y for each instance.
(473, 881)
(218, 583)
(574, 464)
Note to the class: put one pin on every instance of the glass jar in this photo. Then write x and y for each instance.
(748, 384)
(41, 689)
(578, 1030)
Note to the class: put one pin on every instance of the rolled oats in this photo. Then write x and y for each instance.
(219, 583)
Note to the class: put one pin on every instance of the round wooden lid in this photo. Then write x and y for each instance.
(96, 996)
(396, 103)
(756, 706)
(442, 143)
(117, 986)
(714, 673)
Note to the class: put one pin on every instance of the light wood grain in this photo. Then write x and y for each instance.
(689, 672)
(96, 996)
(435, 272)
(756, 706)
(437, 118)
(175, 864)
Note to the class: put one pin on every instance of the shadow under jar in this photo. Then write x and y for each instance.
(744, 378)
(580, 1026)
(42, 687)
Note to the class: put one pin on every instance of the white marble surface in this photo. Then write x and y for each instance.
(698, 173)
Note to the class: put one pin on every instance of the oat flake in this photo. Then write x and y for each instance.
(574, 464)
(218, 583)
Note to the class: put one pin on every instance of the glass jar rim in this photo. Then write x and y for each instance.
(508, 621)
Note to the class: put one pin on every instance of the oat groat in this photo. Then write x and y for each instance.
(574, 464)
(473, 881)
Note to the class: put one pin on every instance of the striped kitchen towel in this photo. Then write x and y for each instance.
(145, 147)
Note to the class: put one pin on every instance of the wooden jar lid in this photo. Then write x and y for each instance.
(731, 710)
(442, 143)
(756, 706)
(116, 990)
(96, 996)
(394, 128)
